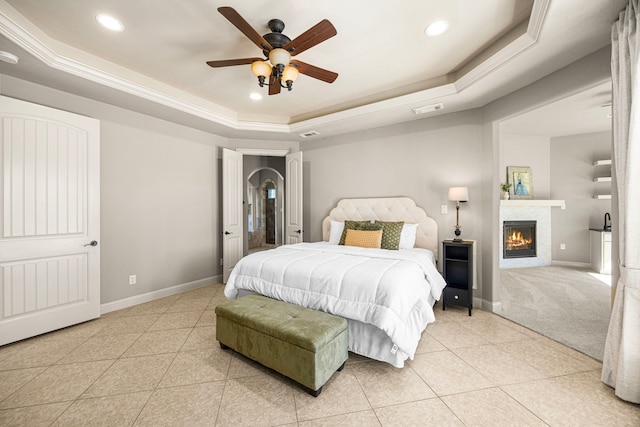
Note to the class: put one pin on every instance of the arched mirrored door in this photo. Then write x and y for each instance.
(265, 213)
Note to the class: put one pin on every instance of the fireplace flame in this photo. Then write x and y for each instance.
(516, 240)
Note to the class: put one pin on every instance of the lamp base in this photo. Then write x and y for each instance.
(457, 232)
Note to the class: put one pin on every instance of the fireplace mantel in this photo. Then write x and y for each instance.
(532, 203)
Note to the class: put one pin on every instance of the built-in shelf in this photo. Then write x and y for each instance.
(604, 162)
(532, 203)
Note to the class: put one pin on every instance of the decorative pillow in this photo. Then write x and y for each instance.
(363, 238)
(391, 234)
(358, 225)
(336, 232)
(408, 236)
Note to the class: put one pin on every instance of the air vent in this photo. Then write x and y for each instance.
(428, 108)
(310, 133)
(9, 58)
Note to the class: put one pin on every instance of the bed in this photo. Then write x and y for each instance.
(387, 296)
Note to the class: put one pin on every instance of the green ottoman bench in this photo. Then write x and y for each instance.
(305, 345)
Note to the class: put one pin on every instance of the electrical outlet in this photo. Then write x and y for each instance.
(563, 246)
(132, 279)
(444, 209)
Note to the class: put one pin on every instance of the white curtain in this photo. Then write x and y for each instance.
(621, 365)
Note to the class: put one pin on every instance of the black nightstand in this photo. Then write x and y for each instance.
(457, 270)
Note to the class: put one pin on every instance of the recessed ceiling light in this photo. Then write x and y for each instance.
(255, 96)
(110, 22)
(9, 58)
(436, 28)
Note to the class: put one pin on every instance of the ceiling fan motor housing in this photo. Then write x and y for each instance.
(275, 38)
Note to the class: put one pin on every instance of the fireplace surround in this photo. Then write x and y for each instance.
(519, 239)
(529, 210)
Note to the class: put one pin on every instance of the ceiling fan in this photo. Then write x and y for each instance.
(280, 70)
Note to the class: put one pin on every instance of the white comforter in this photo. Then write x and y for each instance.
(392, 290)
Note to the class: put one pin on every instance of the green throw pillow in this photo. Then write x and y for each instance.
(359, 225)
(391, 234)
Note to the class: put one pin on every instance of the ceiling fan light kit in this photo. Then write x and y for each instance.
(280, 70)
(279, 56)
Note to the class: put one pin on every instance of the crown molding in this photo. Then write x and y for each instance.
(511, 50)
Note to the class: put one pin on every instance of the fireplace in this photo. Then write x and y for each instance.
(519, 239)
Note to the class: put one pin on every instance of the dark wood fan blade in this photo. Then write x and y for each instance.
(274, 87)
(315, 72)
(320, 32)
(246, 29)
(230, 62)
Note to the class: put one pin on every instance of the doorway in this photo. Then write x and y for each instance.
(264, 209)
(264, 197)
(562, 142)
(234, 197)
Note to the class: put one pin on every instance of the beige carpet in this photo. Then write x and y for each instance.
(567, 304)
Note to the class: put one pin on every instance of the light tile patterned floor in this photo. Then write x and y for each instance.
(159, 364)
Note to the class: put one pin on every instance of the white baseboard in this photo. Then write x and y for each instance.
(487, 305)
(154, 295)
(571, 264)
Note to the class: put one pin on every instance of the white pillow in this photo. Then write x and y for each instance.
(336, 232)
(408, 236)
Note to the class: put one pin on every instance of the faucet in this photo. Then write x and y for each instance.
(607, 227)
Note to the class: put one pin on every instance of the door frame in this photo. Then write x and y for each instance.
(260, 152)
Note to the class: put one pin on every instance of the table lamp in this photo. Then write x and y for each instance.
(458, 194)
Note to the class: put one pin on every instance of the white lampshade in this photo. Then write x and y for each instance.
(261, 68)
(279, 56)
(459, 194)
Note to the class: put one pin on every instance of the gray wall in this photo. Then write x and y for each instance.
(419, 159)
(572, 174)
(529, 151)
(562, 169)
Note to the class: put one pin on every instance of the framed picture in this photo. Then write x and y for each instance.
(521, 182)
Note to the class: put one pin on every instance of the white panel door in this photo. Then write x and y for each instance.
(293, 198)
(232, 218)
(49, 219)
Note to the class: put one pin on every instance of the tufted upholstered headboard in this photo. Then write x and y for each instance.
(386, 209)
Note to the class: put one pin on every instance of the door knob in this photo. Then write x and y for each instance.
(226, 233)
(92, 243)
(298, 231)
